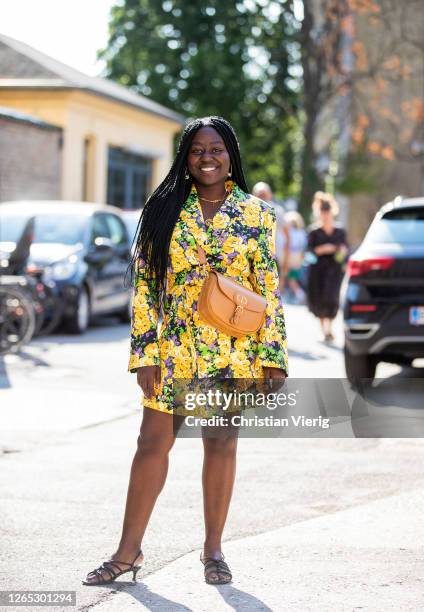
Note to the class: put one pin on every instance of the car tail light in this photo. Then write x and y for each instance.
(357, 267)
(363, 308)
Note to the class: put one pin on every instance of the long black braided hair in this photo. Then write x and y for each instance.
(162, 208)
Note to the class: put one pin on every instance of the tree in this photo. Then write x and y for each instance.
(363, 69)
(216, 57)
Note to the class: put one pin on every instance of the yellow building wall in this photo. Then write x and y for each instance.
(106, 123)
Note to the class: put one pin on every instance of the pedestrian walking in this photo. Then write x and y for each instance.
(327, 242)
(202, 206)
(298, 242)
(282, 238)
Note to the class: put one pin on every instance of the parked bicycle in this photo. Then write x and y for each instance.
(47, 303)
(17, 314)
(28, 307)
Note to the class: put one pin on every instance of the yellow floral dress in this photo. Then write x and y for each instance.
(240, 243)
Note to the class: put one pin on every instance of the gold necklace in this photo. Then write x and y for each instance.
(214, 201)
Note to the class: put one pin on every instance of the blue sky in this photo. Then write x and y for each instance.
(68, 30)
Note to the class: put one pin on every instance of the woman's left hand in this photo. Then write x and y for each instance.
(274, 377)
(271, 372)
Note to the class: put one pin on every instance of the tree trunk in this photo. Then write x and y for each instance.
(312, 84)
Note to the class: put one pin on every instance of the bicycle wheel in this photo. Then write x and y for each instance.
(52, 307)
(17, 320)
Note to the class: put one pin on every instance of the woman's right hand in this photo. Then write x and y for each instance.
(147, 378)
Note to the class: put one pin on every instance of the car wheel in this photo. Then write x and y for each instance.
(125, 313)
(359, 367)
(78, 323)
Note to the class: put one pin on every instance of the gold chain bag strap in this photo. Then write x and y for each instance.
(227, 305)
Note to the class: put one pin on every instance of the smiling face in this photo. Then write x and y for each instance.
(208, 160)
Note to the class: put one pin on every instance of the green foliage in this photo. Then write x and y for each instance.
(234, 59)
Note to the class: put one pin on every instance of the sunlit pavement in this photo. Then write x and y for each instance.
(310, 356)
(61, 383)
(328, 524)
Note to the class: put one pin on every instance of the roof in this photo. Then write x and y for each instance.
(23, 67)
(14, 115)
(418, 201)
(401, 202)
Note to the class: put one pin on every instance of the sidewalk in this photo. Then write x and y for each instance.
(338, 522)
(314, 524)
(366, 558)
(62, 505)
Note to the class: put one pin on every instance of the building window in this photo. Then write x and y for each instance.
(129, 178)
(88, 169)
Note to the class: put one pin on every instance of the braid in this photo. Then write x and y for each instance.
(162, 208)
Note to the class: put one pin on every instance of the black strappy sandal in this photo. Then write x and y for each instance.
(216, 566)
(110, 567)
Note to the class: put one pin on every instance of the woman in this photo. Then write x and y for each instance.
(203, 200)
(329, 245)
(298, 242)
(282, 237)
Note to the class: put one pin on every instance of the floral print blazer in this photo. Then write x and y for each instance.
(240, 243)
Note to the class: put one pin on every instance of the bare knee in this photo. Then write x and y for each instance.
(225, 446)
(154, 442)
(156, 433)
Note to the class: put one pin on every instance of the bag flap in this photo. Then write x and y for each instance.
(240, 295)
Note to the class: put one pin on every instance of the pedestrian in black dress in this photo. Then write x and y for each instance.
(327, 241)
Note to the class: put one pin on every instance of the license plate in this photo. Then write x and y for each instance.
(416, 315)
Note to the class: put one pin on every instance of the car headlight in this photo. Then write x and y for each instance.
(60, 271)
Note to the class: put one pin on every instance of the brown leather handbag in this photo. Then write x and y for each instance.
(229, 306)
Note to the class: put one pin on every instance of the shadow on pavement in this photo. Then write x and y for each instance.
(241, 601)
(237, 600)
(331, 346)
(35, 359)
(149, 599)
(4, 377)
(390, 407)
(307, 355)
(102, 330)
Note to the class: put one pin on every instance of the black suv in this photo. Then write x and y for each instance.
(383, 291)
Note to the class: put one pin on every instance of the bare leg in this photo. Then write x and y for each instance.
(328, 324)
(329, 328)
(148, 474)
(326, 328)
(292, 285)
(296, 289)
(219, 469)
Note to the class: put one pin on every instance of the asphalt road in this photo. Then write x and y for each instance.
(69, 420)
